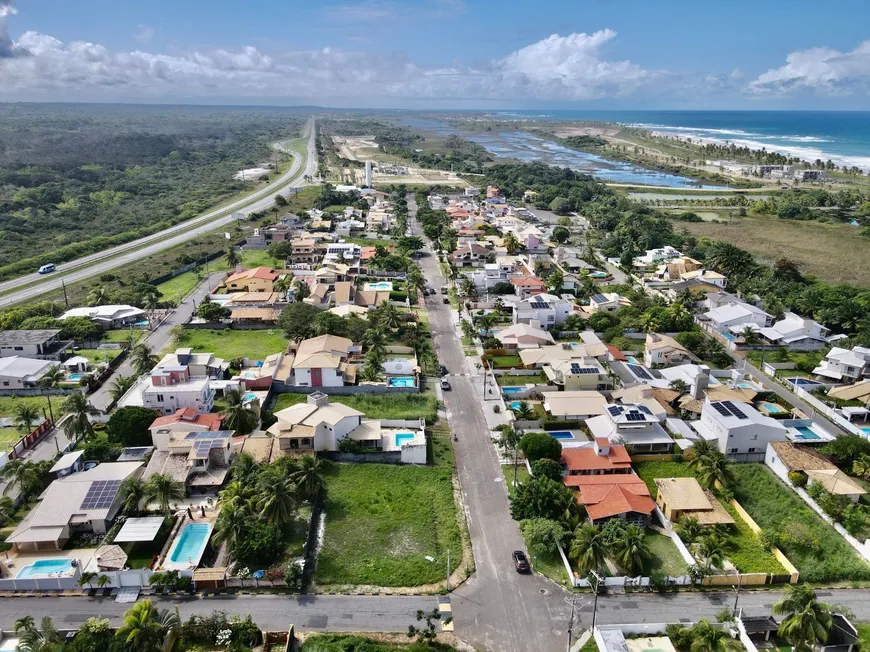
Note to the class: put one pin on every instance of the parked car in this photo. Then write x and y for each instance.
(445, 385)
(445, 300)
(521, 562)
(443, 289)
(443, 370)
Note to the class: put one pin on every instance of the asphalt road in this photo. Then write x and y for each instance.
(104, 261)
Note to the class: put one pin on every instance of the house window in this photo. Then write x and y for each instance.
(732, 450)
(751, 450)
(306, 442)
(19, 348)
(160, 398)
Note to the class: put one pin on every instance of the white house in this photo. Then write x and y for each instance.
(653, 256)
(108, 316)
(845, 365)
(741, 431)
(548, 310)
(577, 374)
(796, 333)
(200, 459)
(44, 344)
(608, 302)
(575, 405)
(665, 350)
(524, 336)
(323, 362)
(182, 380)
(634, 425)
(734, 316)
(18, 373)
(489, 275)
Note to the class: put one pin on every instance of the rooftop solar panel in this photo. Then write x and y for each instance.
(721, 409)
(644, 408)
(635, 416)
(615, 410)
(736, 411)
(639, 371)
(100, 494)
(599, 298)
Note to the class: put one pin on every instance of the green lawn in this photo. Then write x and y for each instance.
(230, 344)
(746, 551)
(8, 404)
(123, 335)
(296, 533)
(863, 635)
(508, 471)
(513, 381)
(9, 437)
(505, 361)
(356, 643)
(98, 356)
(440, 445)
(179, 287)
(664, 556)
(383, 520)
(820, 554)
(376, 406)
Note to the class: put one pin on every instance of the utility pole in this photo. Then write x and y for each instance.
(598, 581)
(448, 570)
(65, 299)
(737, 596)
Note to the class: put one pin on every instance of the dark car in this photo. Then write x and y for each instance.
(445, 385)
(521, 562)
(446, 300)
(443, 370)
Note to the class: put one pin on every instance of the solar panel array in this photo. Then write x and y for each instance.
(599, 298)
(635, 415)
(644, 408)
(639, 371)
(203, 442)
(615, 410)
(101, 494)
(728, 409)
(577, 369)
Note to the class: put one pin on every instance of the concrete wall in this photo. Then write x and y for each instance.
(345, 390)
(373, 457)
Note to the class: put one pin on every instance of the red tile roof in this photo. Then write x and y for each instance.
(367, 252)
(586, 459)
(189, 415)
(610, 495)
(527, 281)
(616, 353)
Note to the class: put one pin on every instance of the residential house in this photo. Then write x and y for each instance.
(675, 268)
(706, 277)
(665, 350)
(607, 302)
(741, 432)
(654, 256)
(842, 636)
(860, 391)
(199, 460)
(576, 405)
(349, 228)
(185, 420)
(319, 425)
(371, 298)
(577, 374)
(784, 457)
(845, 365)
(344, 293)
(655, 399)
(252, 300)
(258, 279)
(470, 255)
(734, 316)
(182, 380)
(549, 355)
(489, 275)
(34, 344)
(526, 286)
(548, 310)
(523, 336)
(80, 502)
(796, 333)
(613, 495)
(697, 287)
(108, 316)
(21, 373)
(634, 425)
(68, 464)
(681, 498)
(255, 316)
(305, 251)
(323, 362)
(319, 296)
(601, 458)
(342, 252)
(264, 236)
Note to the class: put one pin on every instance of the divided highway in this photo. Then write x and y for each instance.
(27, 287)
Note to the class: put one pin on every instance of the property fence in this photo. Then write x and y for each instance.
(30, 440)
(829, 412)
(40, 391)
(345, 390)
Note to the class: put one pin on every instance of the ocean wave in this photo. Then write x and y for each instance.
(696, 130)
(807, 153)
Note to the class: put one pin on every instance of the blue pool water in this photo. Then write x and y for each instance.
(632, 359)
(402, 381)
(402, 437)
(802, 382)
(191, 543)
(250, 396)
(382, 285)
(44, 567)
(598, 274)
(806, 433)
(866, 429)
(745, 386)
(561, 434)
(514, 405)
(512, 390)
(773, 408)
(728, 336)
(77, 377)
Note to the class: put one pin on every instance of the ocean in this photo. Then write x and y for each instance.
(841, 136)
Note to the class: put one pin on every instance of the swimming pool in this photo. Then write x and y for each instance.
(401, 381)
(77, 377)
(598, 275)
(803, 382)
(806, 433)
(632, 360)
(745, 386)
(512, 390)
(562, 434)
(45, 567)
(515, 405)
(380, 285)
(728, 336)
(403, 437)
(772, 408)
(189, 546)
(865, 429)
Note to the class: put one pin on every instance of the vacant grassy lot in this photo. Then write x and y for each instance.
(9, 436)
(513, 381)
(377, 406)
(745, 551)
(355, 643)
(123, 335)
(506, 361)
(383, 520)
(180, 286)
(230, 344)
(98, 356)
(8, 404)
(833, 252)
(812, 545)
(664, 556)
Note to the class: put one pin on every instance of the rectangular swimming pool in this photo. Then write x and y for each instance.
(45, 567)
(866, 429)
(806, 433)
(381, 285)
(402, 381)
(190, 544)
(803, 382)
(772, 408)
(512, 390)
(562, 434)
(403, 437)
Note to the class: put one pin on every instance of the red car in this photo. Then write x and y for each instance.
(521, 562)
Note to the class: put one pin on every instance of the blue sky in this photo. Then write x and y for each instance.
(442, 53)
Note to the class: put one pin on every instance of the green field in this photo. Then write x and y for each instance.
(381, 523)
(8, 404)
(123, 335)
(98, 356)
(356, 643)
(9, 437)
(513, 381)
(229, 344)
(180, 286)
(820, 554)
(664, 556)
(377, 406)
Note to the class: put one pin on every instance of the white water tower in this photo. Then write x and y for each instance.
(368, 183)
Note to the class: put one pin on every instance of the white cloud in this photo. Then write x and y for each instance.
(143, 33)
(7, 8)
(561, 68)
(822, 70)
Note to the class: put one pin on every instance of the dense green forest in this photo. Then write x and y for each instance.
(75, 179)
(622, 228)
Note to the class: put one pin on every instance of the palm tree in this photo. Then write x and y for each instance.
(26, 415)
(231, 524)
(632, 549)
(77, 423)
(120, 386)
(103, 580)
(523, 411)
(690, 529)
(588, 548)
(861, 466)
(749, 335)
(371, 371)
(98, 296)
(712, 469)
(467, 329)
(133, 491)
(238, 415)
(706, 638)
(163, 489)
(679, 385)
(469, 289)
(244, 467)
(486, 322)
(511, 243)
(87, 578)
(52, 376)
(22, 624)
(18, 472)
(713, 546)
(308, 476)
(283, 284)
(141, 631)
(301, 290)
(7, 509)
(807, 620)
(278, 499)
(44, 639)
(232, 257)
(389, 317)
(376, 342)
(142, 358)
(424, 352)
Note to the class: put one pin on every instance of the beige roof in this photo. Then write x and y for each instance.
(687, 496)
(291, 431)
(343, 290)
(644, 395)
(344, 311)
(525, 330)
(551, 354)
(575, 402)
(655, 341)
(260, 448)
(325, 351)
(857, 392)
(371, 298)
(368, 430)
(252, 297)
(110, 557)
(265, 314)
(311, 415)
(836, 482)
(801, 458)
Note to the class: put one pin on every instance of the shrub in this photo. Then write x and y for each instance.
(547, 468)
(540, 445)
(540, 497)
(542, 534)
(257, 546)
(680, 636)
(797, 479)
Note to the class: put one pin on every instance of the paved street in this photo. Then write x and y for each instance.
(104, 261)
